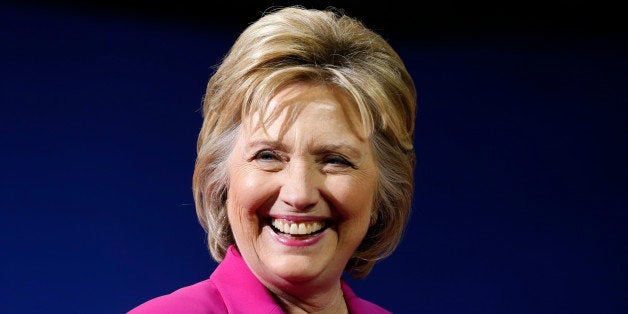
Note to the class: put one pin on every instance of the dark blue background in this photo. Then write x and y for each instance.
(520, 203)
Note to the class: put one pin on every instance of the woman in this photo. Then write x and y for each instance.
(304, 169)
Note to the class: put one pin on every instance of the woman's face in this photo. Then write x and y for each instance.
(300, 198)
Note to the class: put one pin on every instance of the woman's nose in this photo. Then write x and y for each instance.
(300, 188)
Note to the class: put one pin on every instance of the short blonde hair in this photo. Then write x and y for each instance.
(294, 44)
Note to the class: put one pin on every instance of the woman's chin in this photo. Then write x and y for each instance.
(295, 269)
(297, 259)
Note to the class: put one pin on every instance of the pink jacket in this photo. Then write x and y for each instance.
(232, 288)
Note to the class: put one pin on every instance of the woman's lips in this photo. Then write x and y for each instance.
(301, 233)
(297, 228)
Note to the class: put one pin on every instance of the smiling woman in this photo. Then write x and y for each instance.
(297, 190)
(304, 169)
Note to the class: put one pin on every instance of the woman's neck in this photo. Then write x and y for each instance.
(330, 302)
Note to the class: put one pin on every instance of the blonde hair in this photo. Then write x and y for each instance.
(294, 44)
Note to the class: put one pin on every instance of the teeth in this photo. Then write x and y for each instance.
(294, 228)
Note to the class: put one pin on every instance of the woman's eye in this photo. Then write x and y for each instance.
(266, 155)
(337, 160)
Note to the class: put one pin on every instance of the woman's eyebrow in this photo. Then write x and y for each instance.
(267, 143)
(344, 148)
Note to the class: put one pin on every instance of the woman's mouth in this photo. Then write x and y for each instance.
(296, 229)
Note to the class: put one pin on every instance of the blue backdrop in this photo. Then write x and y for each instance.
(520, 203)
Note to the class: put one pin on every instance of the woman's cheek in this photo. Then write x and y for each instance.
(250, 189)
(353, 192)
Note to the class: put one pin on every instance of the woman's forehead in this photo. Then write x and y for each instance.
(291, 101)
